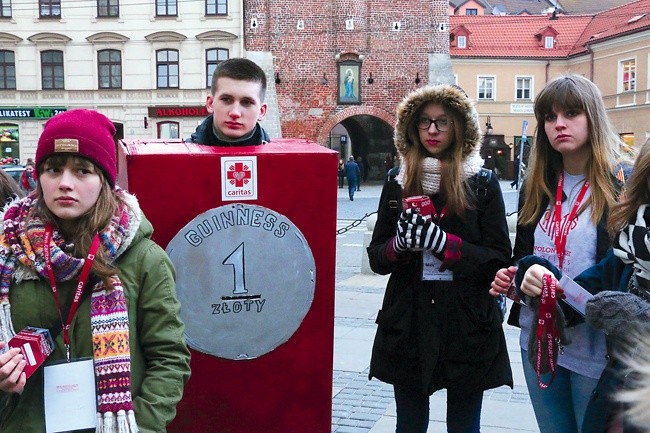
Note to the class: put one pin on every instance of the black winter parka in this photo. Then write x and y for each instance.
(442, 334)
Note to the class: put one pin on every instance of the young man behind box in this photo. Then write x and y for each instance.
(236, 105)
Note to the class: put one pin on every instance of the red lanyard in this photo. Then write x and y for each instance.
(83, 278)
(546, 321)
(562, 232)
(438, 216)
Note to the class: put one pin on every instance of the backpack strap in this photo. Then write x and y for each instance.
(483, 178)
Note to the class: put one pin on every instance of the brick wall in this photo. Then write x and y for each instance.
(306, 59)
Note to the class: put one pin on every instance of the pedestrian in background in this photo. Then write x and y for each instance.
(361, 172)
(341, 173)
(28, 177)
(438, 326)
(76, 259)
(572, 162)
(353, 173)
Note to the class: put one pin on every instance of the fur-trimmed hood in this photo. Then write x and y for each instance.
(452, 98)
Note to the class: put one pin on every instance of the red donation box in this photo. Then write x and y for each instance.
(252, 235)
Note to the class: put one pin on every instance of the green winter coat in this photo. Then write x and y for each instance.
(159, 357)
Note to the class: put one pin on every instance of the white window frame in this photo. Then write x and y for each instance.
(462, 41)
(530, 88)
(493, 90)
(623, 67)
(549, 42)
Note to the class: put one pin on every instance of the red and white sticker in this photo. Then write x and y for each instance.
(238, 178)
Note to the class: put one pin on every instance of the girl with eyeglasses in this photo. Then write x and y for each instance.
(438, 327)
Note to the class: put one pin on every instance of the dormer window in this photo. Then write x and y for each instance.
(549, 42)
(458, 37)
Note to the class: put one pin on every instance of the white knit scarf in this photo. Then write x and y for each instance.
(431, 171)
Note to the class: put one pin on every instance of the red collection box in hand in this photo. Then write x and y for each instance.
(35, 344)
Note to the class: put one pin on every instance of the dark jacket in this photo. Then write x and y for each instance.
(352, 171)
(442, 334)
(204, 134)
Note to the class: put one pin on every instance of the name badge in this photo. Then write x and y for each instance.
(431, 268)
(69, 396)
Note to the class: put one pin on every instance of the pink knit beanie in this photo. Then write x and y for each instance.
(83, 132)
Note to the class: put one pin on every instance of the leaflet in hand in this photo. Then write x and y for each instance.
(576, 295)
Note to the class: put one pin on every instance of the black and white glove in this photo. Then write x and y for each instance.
(422, 233)
(399, 241)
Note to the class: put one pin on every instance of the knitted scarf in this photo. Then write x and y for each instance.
(632, 245)
(431, 171)
(22, 257)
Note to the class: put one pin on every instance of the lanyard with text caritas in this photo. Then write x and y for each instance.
(546, 322)
(83, 278)
(562, 232)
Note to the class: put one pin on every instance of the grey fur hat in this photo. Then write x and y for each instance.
(453, 98)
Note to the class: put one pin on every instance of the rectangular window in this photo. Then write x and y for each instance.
(486, 88)
(471, 11)
(108, 8)
(168, 130)
(109, 69)
(52, 70)
(216, 7)
(166, 8)
(7, 70)
(549, 42)
(462, 41)
(628, 75)
(212, 59)
(49, 8)
(167, 68)
(524, 88)
(5, 8)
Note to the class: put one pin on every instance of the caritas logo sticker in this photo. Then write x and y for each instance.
(238, 178)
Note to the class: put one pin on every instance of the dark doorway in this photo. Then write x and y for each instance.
(371, 139)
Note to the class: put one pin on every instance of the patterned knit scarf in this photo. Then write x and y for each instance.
(431, 171)
(632, 245)
(22, 257)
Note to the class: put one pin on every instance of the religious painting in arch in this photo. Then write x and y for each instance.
(349, 83)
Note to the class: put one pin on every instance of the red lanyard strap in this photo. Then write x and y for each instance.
(562, 232)
(83, 278)
(438, 216)
(546, 325)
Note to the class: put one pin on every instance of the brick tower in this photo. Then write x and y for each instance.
(339, 67)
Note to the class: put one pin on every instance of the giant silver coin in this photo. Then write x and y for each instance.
(245, 277)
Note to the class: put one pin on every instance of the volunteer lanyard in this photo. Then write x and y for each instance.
(546, 322)
(83, 278)
(562, 232)
(438, 216)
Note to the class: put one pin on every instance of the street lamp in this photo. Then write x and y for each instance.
(488, 127)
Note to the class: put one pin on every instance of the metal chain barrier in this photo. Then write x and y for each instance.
(354, 223)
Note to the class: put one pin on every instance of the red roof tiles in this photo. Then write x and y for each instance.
(521, 36)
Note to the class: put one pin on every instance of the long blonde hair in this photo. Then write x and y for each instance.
(637, 193)
(571, 92)
(93, 221)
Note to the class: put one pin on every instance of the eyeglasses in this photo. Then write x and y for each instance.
(442, 125)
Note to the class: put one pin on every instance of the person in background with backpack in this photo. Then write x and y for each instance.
(573, 162)
(438, 327)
